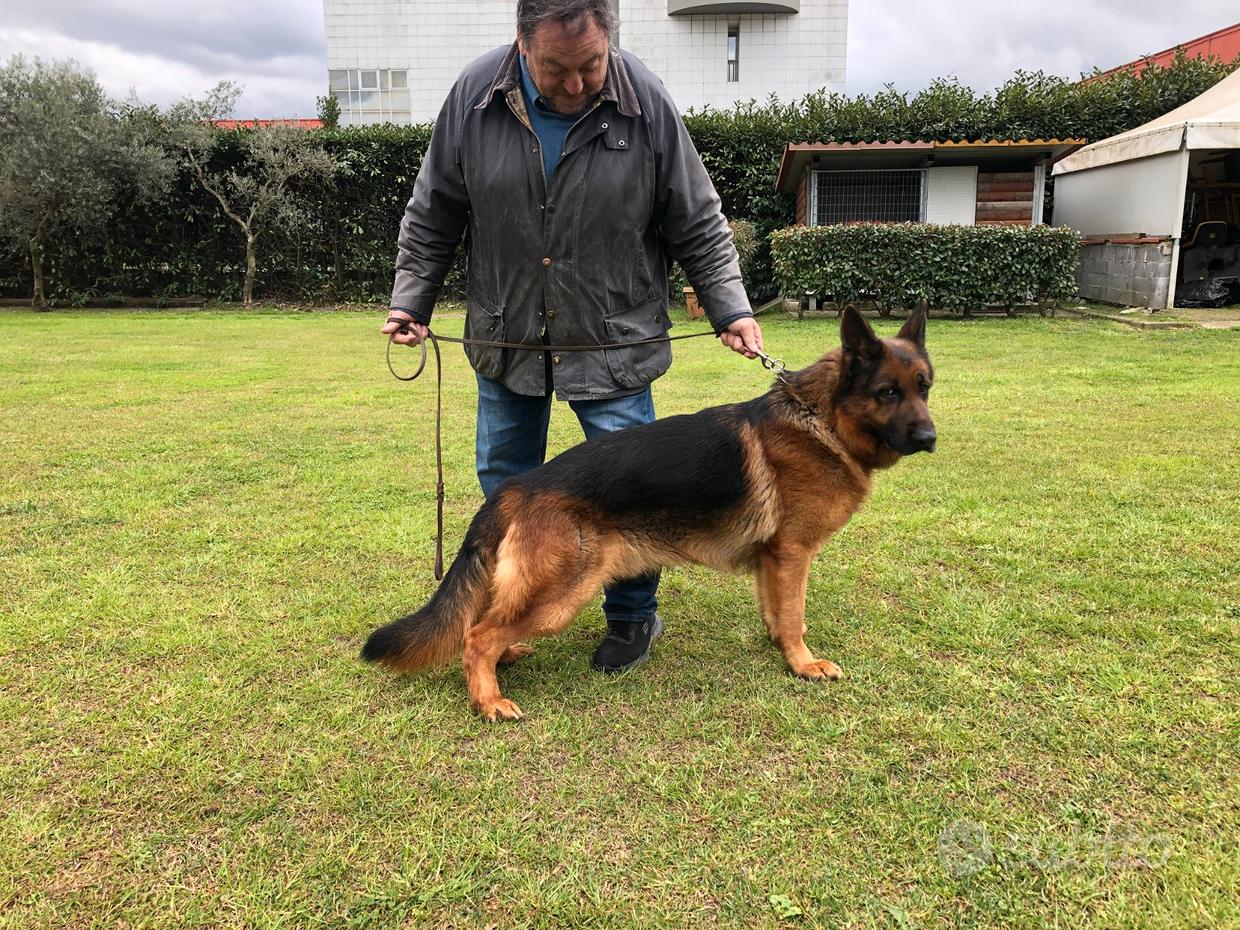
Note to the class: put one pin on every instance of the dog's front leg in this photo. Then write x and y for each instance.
(783, 574)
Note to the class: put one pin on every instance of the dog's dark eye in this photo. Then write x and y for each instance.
(888, 393)
(925, 390)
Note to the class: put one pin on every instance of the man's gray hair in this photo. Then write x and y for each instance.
(533, 13)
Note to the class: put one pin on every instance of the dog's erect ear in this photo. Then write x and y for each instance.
(857, 337)
(914, 328)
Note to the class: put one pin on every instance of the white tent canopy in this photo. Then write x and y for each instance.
(1209, 121)
(1135, 186)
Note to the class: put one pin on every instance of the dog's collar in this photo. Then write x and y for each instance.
(793, 395)
(816, 425)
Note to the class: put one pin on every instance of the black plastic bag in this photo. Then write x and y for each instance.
(1210, 292)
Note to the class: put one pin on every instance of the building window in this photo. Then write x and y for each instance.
(734, 53)
(371, 95)
(867, 197)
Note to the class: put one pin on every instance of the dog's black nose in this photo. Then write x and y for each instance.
(924, 438)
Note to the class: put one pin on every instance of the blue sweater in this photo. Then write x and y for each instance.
(550, 127)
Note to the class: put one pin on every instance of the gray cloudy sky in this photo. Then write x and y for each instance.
(165, 49)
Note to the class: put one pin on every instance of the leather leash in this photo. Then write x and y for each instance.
(771, 364)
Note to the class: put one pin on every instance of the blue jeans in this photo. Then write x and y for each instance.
(512, 438)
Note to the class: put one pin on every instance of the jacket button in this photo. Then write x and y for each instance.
(625, 330)
(551, 314)
(546, 263)
(622, 143)
(555, 359)
(604, 126)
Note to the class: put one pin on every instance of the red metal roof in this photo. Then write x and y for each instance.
(796, 153)
(253, 123)
(1223, 44)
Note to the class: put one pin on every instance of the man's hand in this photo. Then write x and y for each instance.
(414, 332)
(743, 336)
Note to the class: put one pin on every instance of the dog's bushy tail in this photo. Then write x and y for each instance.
(436, 632)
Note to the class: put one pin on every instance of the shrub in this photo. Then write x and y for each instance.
(346, 245)
(900, 264)
(741, 147)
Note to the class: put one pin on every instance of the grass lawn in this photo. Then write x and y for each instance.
(202, 515)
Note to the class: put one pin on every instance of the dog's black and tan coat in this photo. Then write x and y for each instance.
(750, 487)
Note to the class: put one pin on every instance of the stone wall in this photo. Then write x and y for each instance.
(1130, 271)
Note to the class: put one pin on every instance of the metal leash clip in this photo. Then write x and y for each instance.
(774, 365)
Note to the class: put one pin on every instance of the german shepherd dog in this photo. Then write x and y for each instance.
(749, 487)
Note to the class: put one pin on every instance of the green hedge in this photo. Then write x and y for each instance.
(184, 245)
(345, 250)
(900, 264)
(742, 147)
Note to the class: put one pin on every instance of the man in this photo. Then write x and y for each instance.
(567, 166)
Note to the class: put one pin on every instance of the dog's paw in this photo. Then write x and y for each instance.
(819, 670)
(502, 709)
(514, 652)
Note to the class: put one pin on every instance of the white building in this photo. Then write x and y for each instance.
(395, 60)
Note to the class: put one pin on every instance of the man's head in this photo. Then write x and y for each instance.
(565, 44)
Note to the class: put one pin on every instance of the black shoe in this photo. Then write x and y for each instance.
(627, 644)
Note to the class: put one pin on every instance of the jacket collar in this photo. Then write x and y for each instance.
(617, 86)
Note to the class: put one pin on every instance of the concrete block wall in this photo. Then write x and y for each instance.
(787, 54)
(1134, 273)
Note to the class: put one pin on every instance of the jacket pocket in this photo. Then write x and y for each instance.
(483, 320)
(638, 365)
(617, 139)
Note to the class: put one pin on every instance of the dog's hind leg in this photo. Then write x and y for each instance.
(783, 575)
(485, 644)
(542, 581)
(496, 637)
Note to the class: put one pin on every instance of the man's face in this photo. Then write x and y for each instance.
(567, 61)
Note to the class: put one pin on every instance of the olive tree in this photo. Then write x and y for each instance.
(259, 193)
(66, 153)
